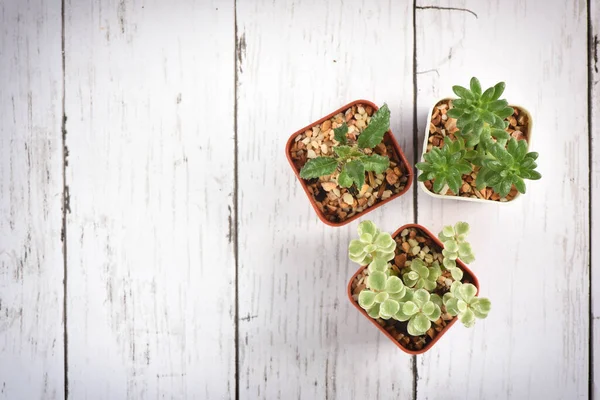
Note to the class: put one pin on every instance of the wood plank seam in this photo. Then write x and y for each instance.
(414, 368)
(66, 200)
(592, 57)
(234, 229)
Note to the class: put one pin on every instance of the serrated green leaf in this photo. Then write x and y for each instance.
(356, 171)
(439, 184)
(487, 95)
(317, 167)
(343, 151)
(340, 132)
(375, 163)
(344, 179)
(373, 134)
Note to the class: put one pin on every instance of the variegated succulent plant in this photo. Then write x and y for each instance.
(461, 301)
(371, 244)
(456, 246)
(408, 293)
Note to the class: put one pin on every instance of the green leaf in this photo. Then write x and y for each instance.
(390, 307)
(409, 308)
(475, 86)
(462, 92)
(375, 163)
(366, 299)
(356, 171)
(457, 274)
(367, 227)
(448, 231)
(487, 95)
(381, 297)
(454, 113)
(467, 318)
(467, 292)
(344, 179)
(378, 264)
(451, 246)
(374, 310)
(481, 307)
(343, 151)
(420, 297)
(340, 132)
(317, 167)
(438, 184)
(497, 105)
(418, 325)
(372, 135)
(505, 112)
(519, 184)
(498, 90)
(394, 285)
(376, 280)
(464, 249)
(461, 228)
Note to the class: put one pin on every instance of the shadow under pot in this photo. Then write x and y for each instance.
(393, 329)
(335, 201)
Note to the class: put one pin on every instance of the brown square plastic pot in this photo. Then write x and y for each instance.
(389, 137)
(429, 345)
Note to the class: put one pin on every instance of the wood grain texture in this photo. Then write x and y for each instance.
(151, 177)
(595, 194)
(31, 260)
(299, 335)
(532, 255)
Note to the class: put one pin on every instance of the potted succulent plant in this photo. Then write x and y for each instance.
(476, 147)
(349, 163)
(412, 286)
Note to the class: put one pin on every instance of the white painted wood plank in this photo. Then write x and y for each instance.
(31, 260)
(534, 344)
(595, 188)
(299, 335)
(150, 171)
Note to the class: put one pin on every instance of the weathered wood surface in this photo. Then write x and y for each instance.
(299, 335)
(196, 267)
(31, 259)
(532, 255)
(594, 82)
(150, 293)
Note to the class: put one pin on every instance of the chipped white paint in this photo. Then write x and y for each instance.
(150, 257)
(151, 232)
(532, 256)
(299, 335)
(31, 260)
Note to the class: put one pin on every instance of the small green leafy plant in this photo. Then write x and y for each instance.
(413, 295)
(481, 141)
(350, 160)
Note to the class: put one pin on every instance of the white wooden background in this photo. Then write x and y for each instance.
(154, 242)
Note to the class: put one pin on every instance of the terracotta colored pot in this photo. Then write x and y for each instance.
(467, 273)
(476, 200)
(388, 139)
